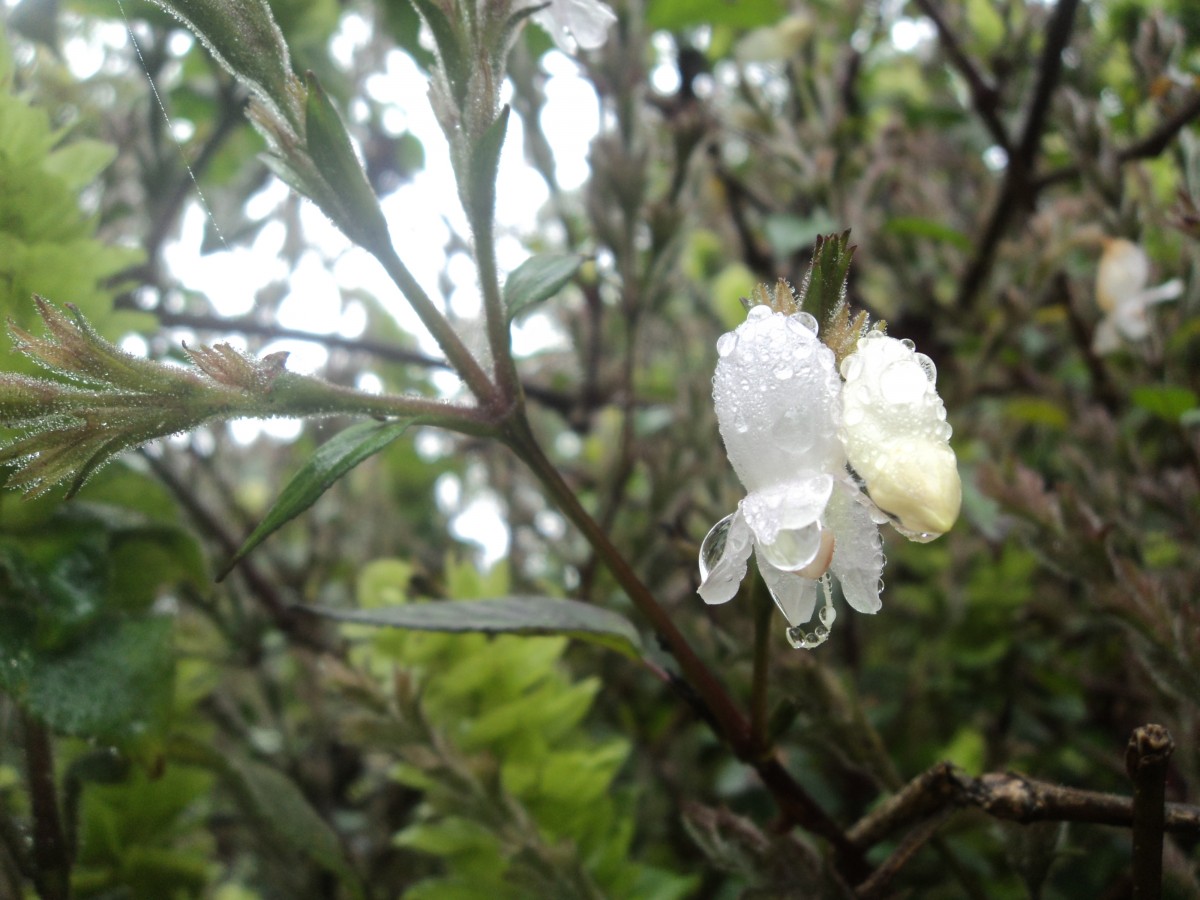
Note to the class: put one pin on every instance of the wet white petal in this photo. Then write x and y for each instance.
(795, 596)
(858, 553)
(776, 396)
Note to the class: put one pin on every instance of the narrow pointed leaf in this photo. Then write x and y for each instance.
(333, 460)
(538, 279)
(485, 163)
(504, 615)
(357, 212)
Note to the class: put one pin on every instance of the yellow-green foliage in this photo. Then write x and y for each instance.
(47, 243)
(536, 808)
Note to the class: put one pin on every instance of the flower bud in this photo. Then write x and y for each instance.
(896, 435)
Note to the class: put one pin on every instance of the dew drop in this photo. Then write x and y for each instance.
(783, 373)
(907, 342)
(828, 615)
(713, 546)
(758, 312)
(726, 344)
(804, 320)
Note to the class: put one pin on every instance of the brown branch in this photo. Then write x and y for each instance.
(1018, 190)
(51, 855)
(917, 837)
(985, 98)
(1150, 748)
(1009, 796)
(1148, 147)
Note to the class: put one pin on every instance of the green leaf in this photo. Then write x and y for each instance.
(355, 208)
(278, 804)
(1165, 401)
(504, 615)
(244, 38)
(485, 164)
(915, 226)
(115, 686)
(538, 279)
(331, 461)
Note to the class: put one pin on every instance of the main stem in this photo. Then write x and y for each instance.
(797, 806)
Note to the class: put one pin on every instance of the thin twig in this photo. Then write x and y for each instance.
(984, 97)
(914, 840)
(1150, 748)
(1017, 191)
(1147, 147)
(51, 854)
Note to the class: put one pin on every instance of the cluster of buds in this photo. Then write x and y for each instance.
(830, 442)
(113, 401)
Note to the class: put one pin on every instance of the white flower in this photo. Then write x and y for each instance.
(778, 400)
(897, 438)
(790, 427)
(1122, 294)
(586, 21)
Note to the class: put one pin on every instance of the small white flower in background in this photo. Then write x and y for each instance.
(585, 21)
(790, 427)
(1122, 294)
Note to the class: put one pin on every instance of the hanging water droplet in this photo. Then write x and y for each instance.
(726, 344)
(712, 548)
(828, 616)
(822, 633)
(804, 320)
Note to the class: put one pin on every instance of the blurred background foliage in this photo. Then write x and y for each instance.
(210, 740)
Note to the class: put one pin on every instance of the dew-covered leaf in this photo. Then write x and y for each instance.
(503, 615)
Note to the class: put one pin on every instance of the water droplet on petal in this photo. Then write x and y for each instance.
(907, 342)
(726, 344)
(804, 320)
(783, 373)
(712, 548)
(758, 312)
(828, 615)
